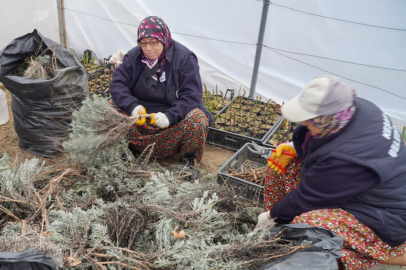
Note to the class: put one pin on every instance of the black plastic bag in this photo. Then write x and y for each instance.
(321, 255)
(42, 109)
(31, 259)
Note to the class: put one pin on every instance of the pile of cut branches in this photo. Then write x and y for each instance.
(106, 212)
(41, 65)
(97, 126)
(114, 219)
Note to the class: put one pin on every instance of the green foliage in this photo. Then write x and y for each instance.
(16, 181)
(46, 59)
(109, 172)
(156, 191)
(76, 230)
(95, 127)
(5, 162)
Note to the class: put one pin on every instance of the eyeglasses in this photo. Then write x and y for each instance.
(152, 43)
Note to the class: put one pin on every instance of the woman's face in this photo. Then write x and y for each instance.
(150, 51)
(312, 128)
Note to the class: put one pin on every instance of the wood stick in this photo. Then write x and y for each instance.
(9, 213)
(127, 266)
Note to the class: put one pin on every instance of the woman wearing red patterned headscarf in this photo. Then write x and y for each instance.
(161, 76)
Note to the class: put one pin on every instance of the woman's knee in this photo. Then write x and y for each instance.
(197, 117)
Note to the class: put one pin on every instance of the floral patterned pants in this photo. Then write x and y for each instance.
(362, 248)
(186, 137)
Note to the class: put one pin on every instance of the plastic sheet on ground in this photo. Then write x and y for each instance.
(321, 255)
(30, 259)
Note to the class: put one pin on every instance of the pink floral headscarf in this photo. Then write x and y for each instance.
(330, 124)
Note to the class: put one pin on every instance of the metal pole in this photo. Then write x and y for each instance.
(260, 44)
(61, 23)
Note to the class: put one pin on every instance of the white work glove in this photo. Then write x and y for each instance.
(264, 219)
(138, 110)
(161, 120)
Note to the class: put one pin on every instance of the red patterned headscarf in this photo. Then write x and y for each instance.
(154, 27)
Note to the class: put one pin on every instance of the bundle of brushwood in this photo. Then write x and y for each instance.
(254, 175)
(41, 65)
(101, 215)
(97, 126)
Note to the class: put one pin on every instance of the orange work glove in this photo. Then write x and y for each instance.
(281, 158)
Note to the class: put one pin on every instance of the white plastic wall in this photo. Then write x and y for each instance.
(20, 17)
(361, 41)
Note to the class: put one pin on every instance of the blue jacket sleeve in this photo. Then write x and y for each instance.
(189, 94)
(120, 86)
(327, 184)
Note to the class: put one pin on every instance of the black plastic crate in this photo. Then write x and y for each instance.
(243, 159)
(276, 128)
(227, 139)
(232, 140)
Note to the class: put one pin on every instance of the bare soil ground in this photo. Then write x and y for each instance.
(213, 157)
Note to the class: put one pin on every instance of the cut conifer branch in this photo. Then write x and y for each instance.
(97, 126)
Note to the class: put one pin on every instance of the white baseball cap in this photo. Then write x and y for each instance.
(324, 95)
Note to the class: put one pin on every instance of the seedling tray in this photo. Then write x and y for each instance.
(269, 135)
(243, 159)
(232, 140)
(91, 76)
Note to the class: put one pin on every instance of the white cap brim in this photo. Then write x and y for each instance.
(294, 111)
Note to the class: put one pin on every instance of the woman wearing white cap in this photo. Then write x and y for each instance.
(352, 176)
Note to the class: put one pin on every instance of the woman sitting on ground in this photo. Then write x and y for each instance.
(352, 175)
(161, 76)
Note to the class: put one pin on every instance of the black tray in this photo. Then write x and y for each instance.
(91, 76)
(246, 189)
(231, 140)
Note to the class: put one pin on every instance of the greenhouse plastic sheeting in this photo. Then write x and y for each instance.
(30, 259)
(321, 255)
(360, 41)
(42, 109)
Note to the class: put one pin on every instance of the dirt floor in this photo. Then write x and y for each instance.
(213, 157)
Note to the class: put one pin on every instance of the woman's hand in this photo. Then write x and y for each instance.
(138, 110)
(264, 219)
(281, 158)
(161, 120)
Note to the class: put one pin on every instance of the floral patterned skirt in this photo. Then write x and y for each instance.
(362, 247)
(186, 137)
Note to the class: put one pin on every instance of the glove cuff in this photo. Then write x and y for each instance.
(293, 147)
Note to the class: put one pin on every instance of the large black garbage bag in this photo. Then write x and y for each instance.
(42, 109)
(321, 255)
(31, 259)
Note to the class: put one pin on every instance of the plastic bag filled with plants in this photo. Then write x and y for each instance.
(46, 83)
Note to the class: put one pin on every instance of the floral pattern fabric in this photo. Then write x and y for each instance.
(362, 247)
(186, 137)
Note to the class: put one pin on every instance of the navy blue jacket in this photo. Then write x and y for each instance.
(179, 94)
(360, 169)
